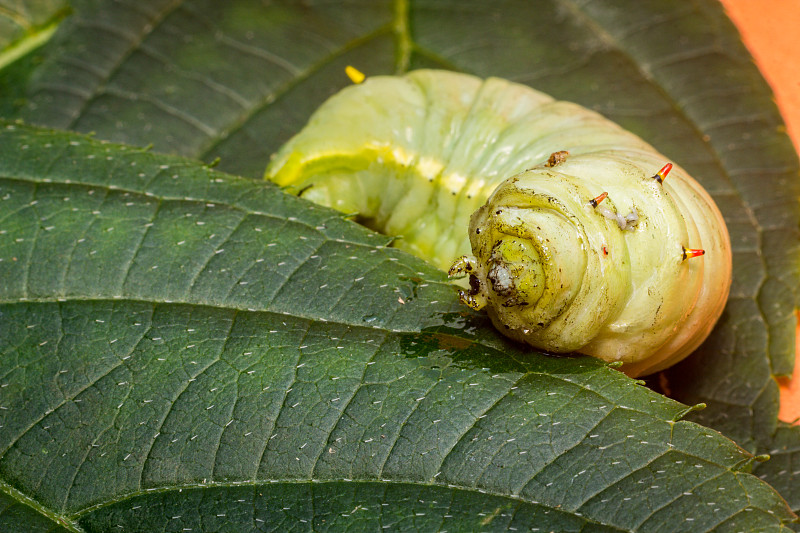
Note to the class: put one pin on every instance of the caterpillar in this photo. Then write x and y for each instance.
(572, 232)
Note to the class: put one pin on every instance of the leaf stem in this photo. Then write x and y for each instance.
(34, 39)
(402, 36)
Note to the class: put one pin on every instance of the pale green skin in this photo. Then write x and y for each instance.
(415, 156)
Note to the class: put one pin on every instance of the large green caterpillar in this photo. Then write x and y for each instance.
(416, 155)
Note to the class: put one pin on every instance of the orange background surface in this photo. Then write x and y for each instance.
(769, 29)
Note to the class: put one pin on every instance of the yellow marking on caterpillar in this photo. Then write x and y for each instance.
(429, 168)
(355, 75)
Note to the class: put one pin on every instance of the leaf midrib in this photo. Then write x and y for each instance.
(27, 501)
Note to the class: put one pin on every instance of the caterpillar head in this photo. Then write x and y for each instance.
(556, 270)
(531, 254)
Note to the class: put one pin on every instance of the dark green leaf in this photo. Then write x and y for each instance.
(236, 79)
(334, 506)
(783, 468)
(176, 340)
